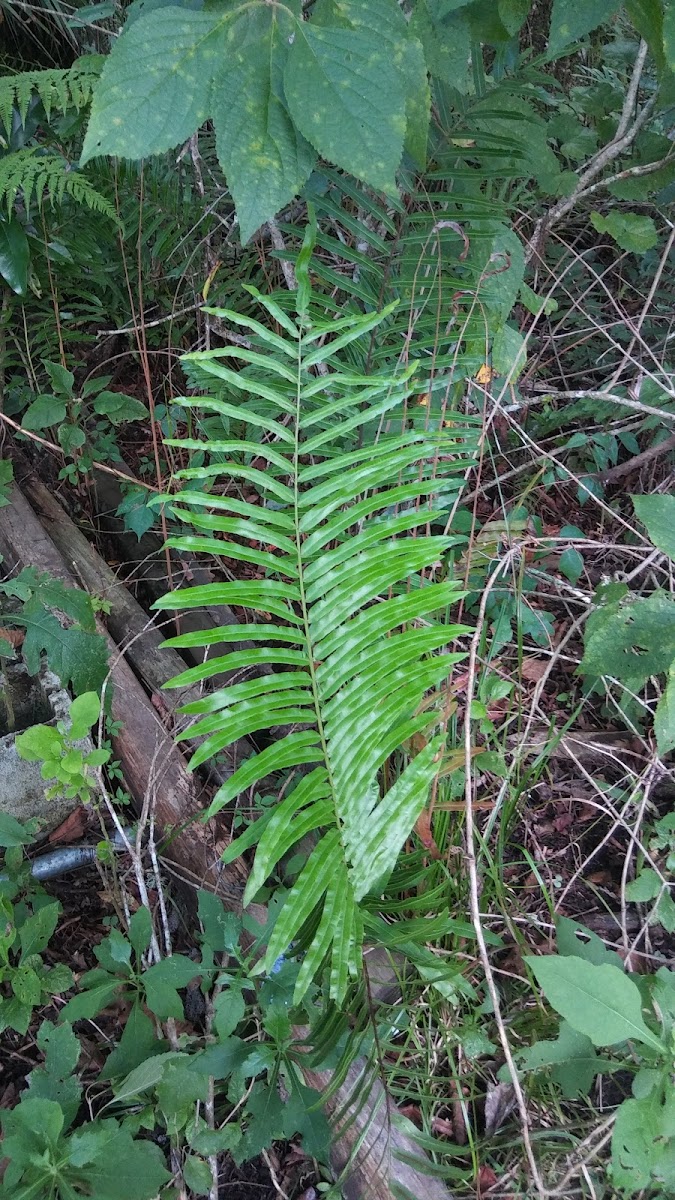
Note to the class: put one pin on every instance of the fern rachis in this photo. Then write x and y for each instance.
(342, 561)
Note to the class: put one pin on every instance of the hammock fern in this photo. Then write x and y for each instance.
(341, 559)
(34, 172)
(62, 89)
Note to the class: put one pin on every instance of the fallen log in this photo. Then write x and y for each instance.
(132, 629)
(361, 1114)
(152, 764)
(366, 1144)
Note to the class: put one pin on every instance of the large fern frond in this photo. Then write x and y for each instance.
(57, 88)
(339, 567)
(34, 172)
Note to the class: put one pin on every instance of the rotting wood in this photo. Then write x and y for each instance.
(366, 1144)
(377, 1173)
(137, 634)
(152, 763)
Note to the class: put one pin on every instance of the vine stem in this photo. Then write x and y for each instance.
(472, 868)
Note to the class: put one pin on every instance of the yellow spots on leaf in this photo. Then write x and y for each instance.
(117, 121)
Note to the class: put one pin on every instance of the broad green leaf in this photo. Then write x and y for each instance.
(573, 938)
(512, 13)
(646, 887)
(664, 717)
(178, 1090)
(303, 1114)
(57, 1079)
(502, 273)
(43, 412)
(657, 514)
(70, 438)
(111, 1164)
(571, 564)
(6, 479)
(37, 929)
(84, 712)
(30, 1127)
(61, 379)
(642, 1145)
(265, 159)
(147, 1075)
(648, 17)
(265, 1119)
(155, 89)
(221, 1060)
(88, 1004)
(90, 14)
(631, 231)
(119, 408)
(385, 19)
(77, 656)
(13, 832)
(140, 930)
(221, 928)
(161, 981)
(446, 46)
(26, 986)
(509, 354)
(197, 1175)
(137, 515)
(573, 1058)
(229, 1010)
(136, 1046)
(631, 641)
(215, 1141)
(14, 255)
(346, 97)
(600, 1002)
(571, 21)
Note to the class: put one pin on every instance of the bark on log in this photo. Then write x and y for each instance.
(142, 642)
(153, 765)
(377, 1172)
(362, 1123)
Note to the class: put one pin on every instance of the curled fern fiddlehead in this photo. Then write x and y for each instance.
(347, 609)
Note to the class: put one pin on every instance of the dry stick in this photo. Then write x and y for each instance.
(286, 266)
(637, 461)
(648, 410)
(636, 172)
(576, 302)
(59, 450)
(623, 138)
(474, 890)
(625, 870)
(603, 1133)
(646, 307)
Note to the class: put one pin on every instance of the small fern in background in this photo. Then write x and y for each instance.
(35, 172)
(61, 89)
(343, 560)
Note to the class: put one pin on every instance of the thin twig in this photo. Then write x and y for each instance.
(474, 889)
(286, 266)
(623, 138)
(34, 437)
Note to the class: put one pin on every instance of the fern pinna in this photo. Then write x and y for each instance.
(345, 611)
